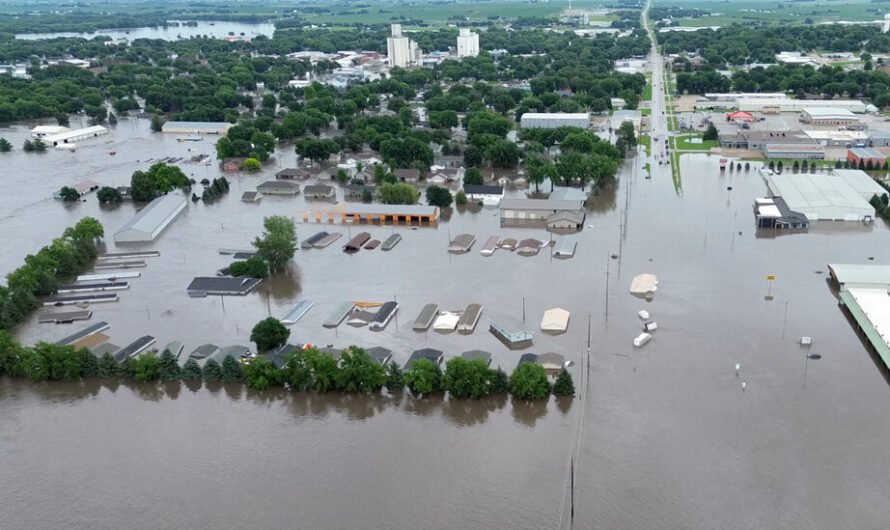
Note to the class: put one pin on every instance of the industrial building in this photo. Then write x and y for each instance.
(152, 220)
(863, 291)
(537, 210)
(69, 137)
(834, 138)
(197, 127)
(794, 152)
(768, 105)
(467, 43)
(866, 156)
(555, 120)
(48, 130)
(828, 116)
(774, 144)
(400, 50)
(839, 196)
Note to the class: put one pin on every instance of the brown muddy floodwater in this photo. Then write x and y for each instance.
(662, 437)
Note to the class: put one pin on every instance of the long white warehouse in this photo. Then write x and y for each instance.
(75, 135)
(797, 105)
(836, 197)
(152, 220)
(554, 120)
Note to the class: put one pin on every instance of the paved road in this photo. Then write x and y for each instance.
(658, 125)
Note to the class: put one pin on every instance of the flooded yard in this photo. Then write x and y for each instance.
(663, 436)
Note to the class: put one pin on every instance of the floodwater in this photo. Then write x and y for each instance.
(662, 437)
(217, 30)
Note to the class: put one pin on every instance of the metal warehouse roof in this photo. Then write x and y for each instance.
(148, 223)
(820, 196)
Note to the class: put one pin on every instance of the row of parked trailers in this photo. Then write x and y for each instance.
(564, 248)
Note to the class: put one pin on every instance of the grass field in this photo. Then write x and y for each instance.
(646, 141)
(647, 92)
(770, 11)
(385, 12)
(684, 143)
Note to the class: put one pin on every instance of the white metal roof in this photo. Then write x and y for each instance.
(820, 196)
(861, 274)
(76, 133)
(559, 115)
(769, 211)
(556, 319)
(644, 283)
(148, 223)
(860, 181)
(875, 303)
(829, 112)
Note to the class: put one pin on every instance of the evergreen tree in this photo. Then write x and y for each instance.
(231, 369)
(395, 380)
(157, 124)
(500, 383)
(145, 367)
(564, 386)
(5, 146)
(168, 368)
(212, 371)
(191, 371)
(107, 366)
(89, 364)
(126, 369)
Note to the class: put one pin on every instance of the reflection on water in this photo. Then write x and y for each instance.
(217, 30)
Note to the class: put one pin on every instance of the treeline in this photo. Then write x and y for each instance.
(802, 81)
(307, 370)
(65, 257)
(735, 45)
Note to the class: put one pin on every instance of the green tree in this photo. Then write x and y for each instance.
(711, 133)
(473, 177)
(395, 379)
(269, 333)
(252, 267)
(564, 386)
(460, 198)
(145, 367)
(89, 364)
(437, 196)
(252, 164)
(529, 381)
(627, 139)
(539, 170)
(69, 194)
(107, 366)
(500, 383)
(231, 369)
(316, 150)
(211, 371)
(401, 193)
(28, 146)
(10, 350)
(260, 374)
(278, 243)
(5, 146)
(359, 373)
(503, 154)
(157, 123)
(191, 371)
(168, 367)
(295, 371)
(423, 377)
(463, 379)
(322, 369)
(108, 194)
(472, 156)
(159, 179)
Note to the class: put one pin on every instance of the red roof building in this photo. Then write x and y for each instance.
(742, 116)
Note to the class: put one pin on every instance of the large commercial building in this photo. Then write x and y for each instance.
(839, 196)
(828, 116)
(863, 291)
(467, 43)
(400, 50)
(196, 127)
(69, 137)
(152, 220)
(554, 120)
(797, 105)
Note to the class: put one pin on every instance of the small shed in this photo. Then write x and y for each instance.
(555, 320)
(251, 196)
(410, 176)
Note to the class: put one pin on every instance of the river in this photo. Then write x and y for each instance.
(216, 30)
(663, 436)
